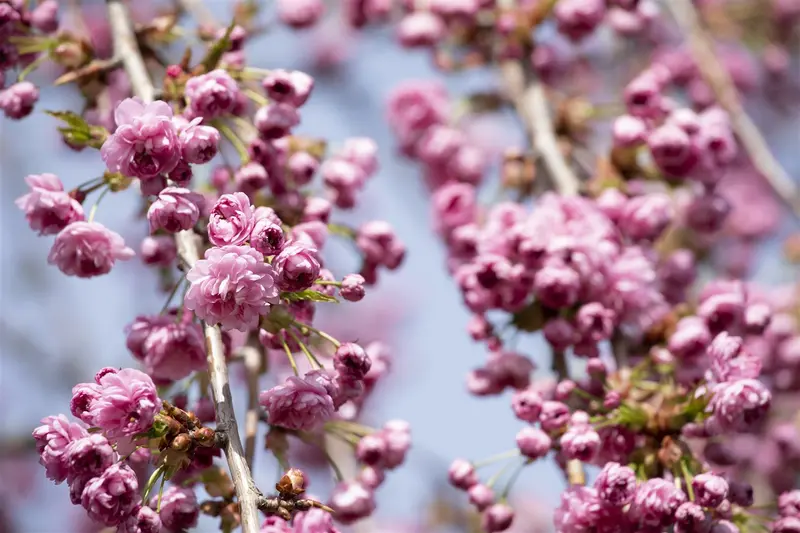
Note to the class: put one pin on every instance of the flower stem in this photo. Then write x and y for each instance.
(256, 97)
(322, 334)
(152, 481)
(495, 458)
(290, 356)
(33, 66)
(172, 294)
(688, 477)
(513, 479)
(97, 203)
(234, 139)
(310, 356)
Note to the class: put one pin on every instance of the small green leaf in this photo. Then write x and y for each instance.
(308, 295)
(214, 54)
(79, 132)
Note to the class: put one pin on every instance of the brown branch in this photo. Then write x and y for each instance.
(127, 48)
(530, 99)
(720, 82)
(253, 359)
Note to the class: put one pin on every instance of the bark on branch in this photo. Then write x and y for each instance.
(126, 47)
(720, 82)
(530, 99)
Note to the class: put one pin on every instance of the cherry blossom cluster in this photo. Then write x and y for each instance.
(609, 277)
(261, 273)
(22, 31)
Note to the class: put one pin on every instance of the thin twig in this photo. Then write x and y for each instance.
(127, 48)
(720, 82)
(530, 99)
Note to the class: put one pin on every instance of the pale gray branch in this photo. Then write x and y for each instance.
(530, 99)
(720, 82)
(127, 48)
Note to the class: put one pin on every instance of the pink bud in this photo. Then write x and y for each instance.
(175, 210)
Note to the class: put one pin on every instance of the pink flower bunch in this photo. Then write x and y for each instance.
(106, 488)
(170, 350)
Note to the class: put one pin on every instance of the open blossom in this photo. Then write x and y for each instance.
(17, 101)
(179, 509)
(299, 404)
(655, 503)
(172, 351)
(291, 87)
(145, 143)
(232, 287)
(176, 209)
(737, 405)
(296, 267)
(87, 249)
(143, 520)
(211, 95)
(352, 501)
(47, 207)
(199, 143)
(53, 438)
(231, 220)
(89, 456)
(112, 497)
(121, 403)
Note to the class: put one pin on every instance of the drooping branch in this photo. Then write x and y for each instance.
(127, 48)
(720, 82)
(530, 99)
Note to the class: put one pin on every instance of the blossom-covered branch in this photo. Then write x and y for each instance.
(246, 491)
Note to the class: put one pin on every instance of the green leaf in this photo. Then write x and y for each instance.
(79, 132)
(308, 295)
(214, 54)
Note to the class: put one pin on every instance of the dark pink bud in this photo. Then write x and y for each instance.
(420, 29)
(481, 496)
(710, 489)
(462, 474)
(267, 237)
(560, 333)
(371, 477)
(351, 359)
(371, 449)
(594, 322)
(616, 484)
(706, 213)
(300, 13)
(199, 144)
(554, 415)
(673, 150)
(352, 501)
(176, 209)
(352, 288)
(45, 16)
(276, 120)
(158, 250)
(533, 443)
(17, 101)
(301, 168)
(527, 405)
(556, 285)
(498, 517)
(251, 177)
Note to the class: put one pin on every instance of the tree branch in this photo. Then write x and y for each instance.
(127, 48)
(718, 78)
(253, 359)
(529, 98)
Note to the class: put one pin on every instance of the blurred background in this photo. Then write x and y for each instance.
(56, 331)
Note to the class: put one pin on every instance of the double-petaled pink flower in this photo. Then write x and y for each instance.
(299, 404)
(47, 207)
(231, 220)
(88, 249)
(120, 402)
(232, 287)
(176, 209)
(145, 143)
